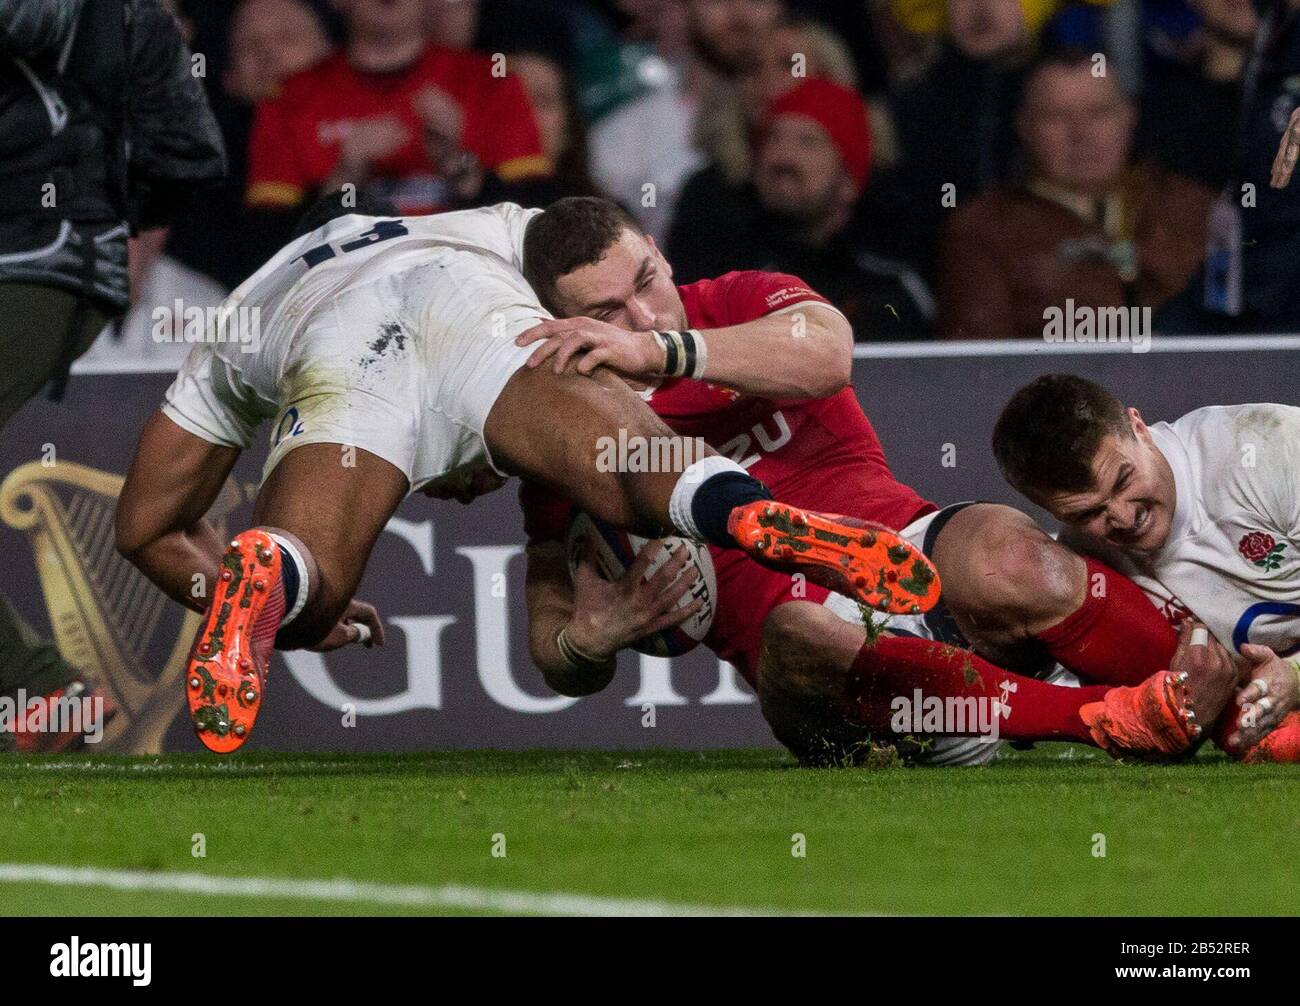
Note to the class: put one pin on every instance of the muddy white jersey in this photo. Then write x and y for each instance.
(394, 334)
(1233, 553)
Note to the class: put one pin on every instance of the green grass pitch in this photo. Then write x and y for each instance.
(683, 828)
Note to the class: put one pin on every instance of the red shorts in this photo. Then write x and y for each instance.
(747, 593)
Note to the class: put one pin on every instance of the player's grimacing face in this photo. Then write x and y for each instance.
(1131, 502)
(631, 287)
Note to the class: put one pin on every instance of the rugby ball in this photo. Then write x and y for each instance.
(616, 549)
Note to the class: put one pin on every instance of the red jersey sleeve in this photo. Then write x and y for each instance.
(737, 297)
(276, 177)
(502, 131)
(546, 513)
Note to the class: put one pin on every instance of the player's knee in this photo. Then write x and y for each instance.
(1039, 575)
(1012, 569)
(799, 690)
(793, 665)
(132, 534)
(777, 646)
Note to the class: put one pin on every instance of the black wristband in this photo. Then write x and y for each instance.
(670, 352)
(688, 346)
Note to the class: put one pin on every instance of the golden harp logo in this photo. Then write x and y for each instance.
(108, 620)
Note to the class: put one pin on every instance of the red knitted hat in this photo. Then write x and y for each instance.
(839, 111)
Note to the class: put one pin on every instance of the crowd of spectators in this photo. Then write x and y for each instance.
(942, 169)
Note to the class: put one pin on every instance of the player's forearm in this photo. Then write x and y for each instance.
(160, 526)
(548, 595)
(565, 673)
(544, 625)
(183, 564)
(795, 354)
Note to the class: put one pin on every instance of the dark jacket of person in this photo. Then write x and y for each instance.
(956, 126)
(720, 229)
(104, 129)
(1012, 253)
(1189, 122)
(1270, 219)
(1271, 228)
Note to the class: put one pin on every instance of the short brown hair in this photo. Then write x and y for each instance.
(1049, 432)
(569, 234)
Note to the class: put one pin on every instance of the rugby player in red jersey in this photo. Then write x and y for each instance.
(773, 395)
(387, 366)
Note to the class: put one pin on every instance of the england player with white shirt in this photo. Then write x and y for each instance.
(1203, 513)
(381, 352)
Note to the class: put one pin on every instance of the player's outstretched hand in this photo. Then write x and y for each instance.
(609, 615)
(1288, 153)
(633, 354)
(1273, 691)
(360, 624)
(1211, 672)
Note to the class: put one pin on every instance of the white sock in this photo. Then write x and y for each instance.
(683, 497)
(288, 553)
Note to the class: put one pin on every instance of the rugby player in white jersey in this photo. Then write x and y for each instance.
(1203, 513)
(386, 360)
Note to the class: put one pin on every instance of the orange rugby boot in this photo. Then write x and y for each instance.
(873, 565)
(1150, 721)
(227, 670)
(1281, 744)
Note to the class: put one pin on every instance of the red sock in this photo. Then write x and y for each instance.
(894, 667)
(1117, 636)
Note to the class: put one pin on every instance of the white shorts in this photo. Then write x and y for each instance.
(936, 624)
(416, 389)
(406, 366)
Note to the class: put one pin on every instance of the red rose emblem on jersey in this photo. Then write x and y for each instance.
(1255, 545)
(1261, 549)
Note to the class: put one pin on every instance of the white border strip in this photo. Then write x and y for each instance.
(451, 896)
(902, 350)
(1033, 347)
(124, 365)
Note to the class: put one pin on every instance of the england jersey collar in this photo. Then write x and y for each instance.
(1175, 453)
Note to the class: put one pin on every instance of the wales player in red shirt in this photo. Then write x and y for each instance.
(773, 394)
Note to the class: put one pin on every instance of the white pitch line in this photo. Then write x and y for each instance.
(208, 766)
(355, 891)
